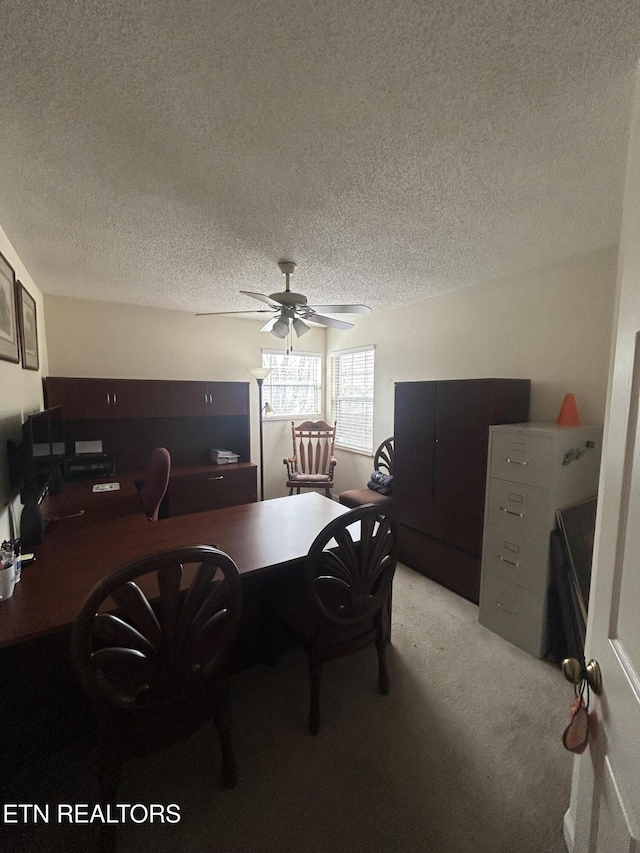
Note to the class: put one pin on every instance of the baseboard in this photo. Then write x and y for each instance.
(569, 831)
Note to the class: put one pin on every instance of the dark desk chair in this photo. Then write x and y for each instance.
(382, 462)
(344, 602)
(312, 463)
(155, 485)
(149, 647)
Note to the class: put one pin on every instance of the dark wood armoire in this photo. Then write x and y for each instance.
(441, 431)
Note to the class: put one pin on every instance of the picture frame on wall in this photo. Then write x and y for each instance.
(9, 334)
(28, 329)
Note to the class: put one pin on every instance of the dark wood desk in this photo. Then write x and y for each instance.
(80, 550)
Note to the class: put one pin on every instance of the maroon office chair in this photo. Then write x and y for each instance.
(155, 485)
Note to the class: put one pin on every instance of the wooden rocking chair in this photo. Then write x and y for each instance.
(312, 463)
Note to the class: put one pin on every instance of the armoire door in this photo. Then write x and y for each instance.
(461, 443)
(414, 436)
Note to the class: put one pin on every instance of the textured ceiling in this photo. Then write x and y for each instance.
(170, 153)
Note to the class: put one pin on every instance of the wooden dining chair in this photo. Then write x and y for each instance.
(382, 462)
(343, 604)
(155, 485)
(312, 463)
(149, 647)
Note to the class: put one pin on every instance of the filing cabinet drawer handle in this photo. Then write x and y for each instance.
(506, 609)
(221, 477)
(510, 562)
(516, 461)
(511, 512)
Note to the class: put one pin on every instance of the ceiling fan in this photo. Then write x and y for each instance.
(290, 310)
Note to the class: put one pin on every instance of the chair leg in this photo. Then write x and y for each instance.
(383, 674)
(222, 719)
(269, 653)
(109, 771)
(108, 765)
(315, 677)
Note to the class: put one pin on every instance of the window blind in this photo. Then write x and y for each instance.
(352, 374)
(294, 385)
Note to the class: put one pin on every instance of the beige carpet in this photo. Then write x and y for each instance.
(465, 754)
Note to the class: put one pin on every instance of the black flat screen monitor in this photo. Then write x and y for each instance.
(43, 452)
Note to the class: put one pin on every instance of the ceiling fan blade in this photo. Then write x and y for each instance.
(327, 321)
(266, 299)
(253, 311)
(342, 309)
(269, 324)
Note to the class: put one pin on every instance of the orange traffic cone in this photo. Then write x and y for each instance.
(568, 416)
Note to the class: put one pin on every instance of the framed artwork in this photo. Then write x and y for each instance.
(9, 335)
(28, 328)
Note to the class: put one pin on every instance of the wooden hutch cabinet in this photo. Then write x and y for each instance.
(131, 417)
(441, 433)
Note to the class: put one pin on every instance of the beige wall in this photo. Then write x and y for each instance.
(20, 392)
(552, 325)
(112, 340)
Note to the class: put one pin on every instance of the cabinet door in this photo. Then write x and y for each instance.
(185, 399)
(104, 399)
(135, 398)
(228, 398)
(414, 434)
(81, 399)
(218, 487)
(462, 439)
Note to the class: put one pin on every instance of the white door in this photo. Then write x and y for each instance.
(604, 815)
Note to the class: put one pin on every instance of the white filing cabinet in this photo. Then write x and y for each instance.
(533, 470)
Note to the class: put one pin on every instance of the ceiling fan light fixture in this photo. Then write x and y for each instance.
(300, 327)
(281, 327)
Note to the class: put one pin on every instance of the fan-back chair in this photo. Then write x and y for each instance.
(382, 461)
(344, 602)
(149, 647)
(312, 464)
(155, 485)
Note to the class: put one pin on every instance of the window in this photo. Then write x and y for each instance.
(293, 387)
(352, 398)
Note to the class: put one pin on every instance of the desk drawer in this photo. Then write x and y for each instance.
(521, 458)
(519, 509)
(513, 606)
(516, 558)
(221, 486)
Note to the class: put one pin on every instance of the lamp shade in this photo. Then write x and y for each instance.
(259, 372)
(300, 326)
(281, 327)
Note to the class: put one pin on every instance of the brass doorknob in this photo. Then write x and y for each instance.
(575, 672)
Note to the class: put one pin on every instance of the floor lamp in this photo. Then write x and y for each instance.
(260, 374)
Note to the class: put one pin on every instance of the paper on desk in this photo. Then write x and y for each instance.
(106, 487)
